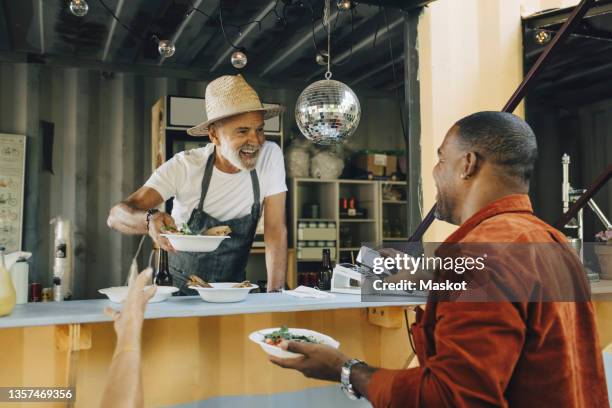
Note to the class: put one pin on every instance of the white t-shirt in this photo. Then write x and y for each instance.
(229, 196)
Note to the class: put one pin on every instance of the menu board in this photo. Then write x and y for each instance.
(12, 175)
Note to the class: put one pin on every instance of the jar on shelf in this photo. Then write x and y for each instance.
(321, 224)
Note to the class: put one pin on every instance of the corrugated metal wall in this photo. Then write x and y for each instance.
(101, 154)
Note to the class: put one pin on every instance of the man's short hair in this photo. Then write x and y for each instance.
(502, 138)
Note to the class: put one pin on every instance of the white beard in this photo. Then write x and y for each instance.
(233, 156)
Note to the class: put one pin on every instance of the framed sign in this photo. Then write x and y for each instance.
(12, 178)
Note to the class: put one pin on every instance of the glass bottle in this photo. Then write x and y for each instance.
(163, 277)
(325, 273)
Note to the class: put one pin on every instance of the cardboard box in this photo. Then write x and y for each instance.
(380, 165)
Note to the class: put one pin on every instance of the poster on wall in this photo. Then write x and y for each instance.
(12, 176)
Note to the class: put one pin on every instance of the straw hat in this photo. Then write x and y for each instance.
(227, 96)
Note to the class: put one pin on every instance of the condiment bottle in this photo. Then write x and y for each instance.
(7, 290)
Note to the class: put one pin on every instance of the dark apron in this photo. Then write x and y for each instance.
(228, 262)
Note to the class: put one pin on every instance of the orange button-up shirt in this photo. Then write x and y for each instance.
(500, 354)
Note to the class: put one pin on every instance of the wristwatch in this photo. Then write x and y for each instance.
(150, 213)
(345, 379)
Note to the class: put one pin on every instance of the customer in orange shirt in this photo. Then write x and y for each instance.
(475, 354)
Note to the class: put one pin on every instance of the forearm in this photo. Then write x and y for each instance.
(128, 219)
(276, 257)
(124, 385)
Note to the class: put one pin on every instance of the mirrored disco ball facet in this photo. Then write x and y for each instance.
(327, 112)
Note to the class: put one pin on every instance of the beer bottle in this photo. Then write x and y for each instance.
(163, 277)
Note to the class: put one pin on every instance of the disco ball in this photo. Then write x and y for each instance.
(327, 112)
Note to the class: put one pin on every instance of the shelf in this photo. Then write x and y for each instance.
(396, 239)
(357, 220)
(395, 202)
(350, 249)
(316, 220)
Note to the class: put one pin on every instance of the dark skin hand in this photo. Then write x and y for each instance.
(323, 362)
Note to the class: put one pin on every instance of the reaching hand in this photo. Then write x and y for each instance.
(157, 221)
(128, 322)
(319, 361)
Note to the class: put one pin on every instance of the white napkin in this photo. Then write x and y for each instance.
(307, 292)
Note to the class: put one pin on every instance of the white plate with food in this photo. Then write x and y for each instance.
(185, 240)
(118, 294)
(221, 292)
(268, 340)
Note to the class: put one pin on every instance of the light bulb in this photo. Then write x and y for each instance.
(166, 48)
(345, 4)
(239, 59)
(79, 7)
(542, 37)
(322, 58)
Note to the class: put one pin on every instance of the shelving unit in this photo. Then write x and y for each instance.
(350, 232)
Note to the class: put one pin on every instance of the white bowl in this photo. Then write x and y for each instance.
(259, 336)
(223, 292)
(118, 294)
(195, 243)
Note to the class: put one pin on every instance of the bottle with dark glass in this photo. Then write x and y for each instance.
(163, 277)
(325, 273)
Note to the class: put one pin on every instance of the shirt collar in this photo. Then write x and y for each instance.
(509, 204)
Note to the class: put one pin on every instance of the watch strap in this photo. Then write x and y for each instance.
(345, 379)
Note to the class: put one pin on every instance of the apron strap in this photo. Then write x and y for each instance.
(255, 182)
(208, 171)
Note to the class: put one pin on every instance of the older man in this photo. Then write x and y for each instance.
(224, 183)
(494, 354)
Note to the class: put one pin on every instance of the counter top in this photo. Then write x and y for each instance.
(602, 287)
(90, 311)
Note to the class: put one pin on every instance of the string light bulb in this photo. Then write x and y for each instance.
(321, 58)
(542, 37)
(166, 48)
(79, 7)
(345, 5)
(239, 59)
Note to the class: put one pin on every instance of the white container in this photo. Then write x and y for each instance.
(259, 336)
(195, 243)
(19, 275)
(118, 294)
(223, 292)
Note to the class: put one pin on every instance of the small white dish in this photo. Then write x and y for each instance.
(259, 336)
(223, 292)
(118, 294)
(195, 243)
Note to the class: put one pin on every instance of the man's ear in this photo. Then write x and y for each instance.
(470, 165)
(213, 134)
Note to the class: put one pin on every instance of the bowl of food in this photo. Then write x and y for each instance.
(269, 339)
(118, 294)
(185, 240)
(220, 292)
